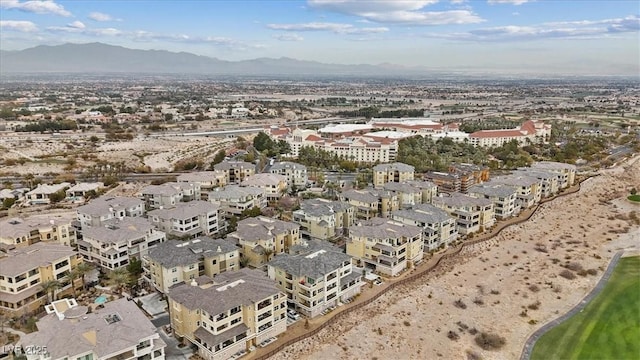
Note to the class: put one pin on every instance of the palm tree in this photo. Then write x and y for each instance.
(120, 278)
(244, 261)
(82, 269)
(50, 287)
(267, 254)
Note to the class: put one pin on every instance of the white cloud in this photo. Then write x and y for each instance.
(398, 11)
(512, 2)
(456, 2)
(98, 16)
(337, 28)
(77, 25)
(559, 30)
(17, 25)
(146, 36)
(35, 6)
(289, 37)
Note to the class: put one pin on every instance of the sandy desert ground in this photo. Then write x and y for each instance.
(510, 284)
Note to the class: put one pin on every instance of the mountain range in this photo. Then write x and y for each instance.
(103, 58)
(99, 58)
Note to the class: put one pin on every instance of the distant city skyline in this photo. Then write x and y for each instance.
(561, 37)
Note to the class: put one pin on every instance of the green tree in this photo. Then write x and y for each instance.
(120, 278)
(81, 270)
(135, 267)
(58, 196)
(267, 253)
(8, 203)
(50, 287)
(253, 212)
(218, 158)
(232, 225)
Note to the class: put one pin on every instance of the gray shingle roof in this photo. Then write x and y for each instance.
(100, 206)
(21, 260)
(178, 253)
(231, 192)
(492, 190)
(384, 229)
(258, 228)
(424, 213)
(397, 166)
(314, 261)
(227, 165)
(185, 210)
(461, 200)
(287, 165)
(119, 231)
(248, 286)
(321, 207)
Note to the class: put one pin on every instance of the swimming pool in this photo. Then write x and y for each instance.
(101, 299)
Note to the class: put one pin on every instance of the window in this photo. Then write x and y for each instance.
(174, 270)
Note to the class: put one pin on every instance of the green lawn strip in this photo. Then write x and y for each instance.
(607, 328)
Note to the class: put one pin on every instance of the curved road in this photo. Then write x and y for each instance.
(531, 341)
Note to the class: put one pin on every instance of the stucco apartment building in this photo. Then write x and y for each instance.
(438, 227)
(114, 245)
(392, 173)
(208, 180)
(471, 214)
(273, 185)
(386, 246)
(295, 173)
(550, 181)
(528, 189)
(413, 192)
(21, 232)
(188, 220)
(370, 203)
(170, 194)
(260, 238)
(502, 196)
(22, 270)
(324, 219)
(174, 262)
(234, 199)
(567, 171)
(227, 314)
(315, 276)
(102, 209)
(235, 171)
(119, 330)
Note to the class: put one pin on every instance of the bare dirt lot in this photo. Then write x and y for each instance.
(508, 286)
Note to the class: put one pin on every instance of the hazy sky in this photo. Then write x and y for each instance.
(581, 36)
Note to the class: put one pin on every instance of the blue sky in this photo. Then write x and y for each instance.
(580, 36)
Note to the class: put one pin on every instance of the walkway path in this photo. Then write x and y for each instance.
(299, 331)
(531, 341)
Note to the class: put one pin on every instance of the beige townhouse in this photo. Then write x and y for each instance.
(260, 238)
(324, 219)
(394, 172)
(471, 214)
(438, 227)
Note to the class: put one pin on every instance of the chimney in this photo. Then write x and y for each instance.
(194, 282)
(219, 249)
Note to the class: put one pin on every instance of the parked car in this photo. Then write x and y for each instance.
(293, 315)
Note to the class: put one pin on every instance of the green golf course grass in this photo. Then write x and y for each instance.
(607, 328)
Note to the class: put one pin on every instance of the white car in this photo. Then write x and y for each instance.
(293, 315)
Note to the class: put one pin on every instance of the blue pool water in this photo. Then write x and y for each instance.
(101, 299)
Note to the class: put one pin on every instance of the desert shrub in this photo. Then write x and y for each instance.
(379, 331)
(582, 273)
(460, 304)
(556, 288)
(462, 325)
(569, 275)
(540, 247)
(473, 331)
(452, 335)
(534, 306)
(478, 301)
(489, 341)
(574, 266)
(534, 288)
(533, 322)
(592, 271)
(406, 323)
(472, 355)
(495, 292)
